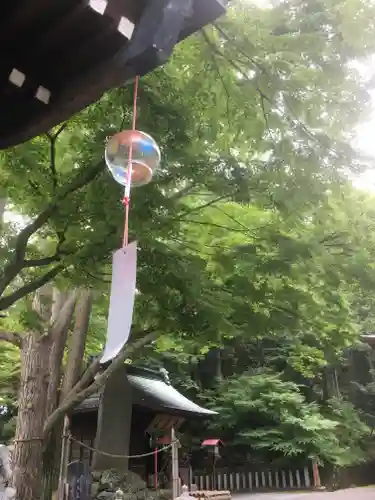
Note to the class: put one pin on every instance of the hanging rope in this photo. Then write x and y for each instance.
(28, 440)
(106, 454)
(126, 199)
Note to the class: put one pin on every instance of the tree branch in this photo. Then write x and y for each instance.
(93, 276)
(11, 337)
(85, 176)
(207, 204)
(52, 161)
(53, 137)
(44, 261)
(59, 333)
(239, 50)
(238, 68)
(77, 396)
(86, 378)
(10, 299)
(182, 192)
(60, 130)
(211, 224)
(217, 68)
(293, 119)
(77, 341)
(232, 218)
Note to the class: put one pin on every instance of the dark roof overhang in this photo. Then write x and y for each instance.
(57, 57)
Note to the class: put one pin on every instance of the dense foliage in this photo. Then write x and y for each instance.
(273, 418)
(297, 284)
(255, 267)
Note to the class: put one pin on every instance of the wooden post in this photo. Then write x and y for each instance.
(156, 468)
(64, 459)
(175, 468)
(114, 423)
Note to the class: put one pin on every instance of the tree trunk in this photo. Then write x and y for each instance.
(77, 342)
(73, 371)
(63, 306)
(330, 383)
(3, 203)
(27, 457)
(219, 367)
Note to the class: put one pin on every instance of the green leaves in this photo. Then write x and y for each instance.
(273, 418)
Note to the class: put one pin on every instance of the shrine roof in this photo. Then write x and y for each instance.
(152, 390)
(212, 442)
(369, 338)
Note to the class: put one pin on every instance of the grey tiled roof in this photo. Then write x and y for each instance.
(151, 391)
(89, 404)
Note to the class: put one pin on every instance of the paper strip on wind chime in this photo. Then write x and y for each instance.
(124, 272)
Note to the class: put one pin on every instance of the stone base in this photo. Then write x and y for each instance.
(212, 495)
(113, 485)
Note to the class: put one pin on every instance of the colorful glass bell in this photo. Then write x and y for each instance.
(145, 157)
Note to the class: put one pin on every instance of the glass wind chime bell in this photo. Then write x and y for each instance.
(141, 149)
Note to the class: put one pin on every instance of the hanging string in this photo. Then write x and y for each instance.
(126, 199)
(106, 454)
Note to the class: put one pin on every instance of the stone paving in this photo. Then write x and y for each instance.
(349, 494)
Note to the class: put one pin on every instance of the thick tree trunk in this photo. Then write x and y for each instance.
(73, 371)
(63, 306)
(27, 458)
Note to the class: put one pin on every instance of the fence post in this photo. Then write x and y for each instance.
(269, 479)
(64, 459)
(250, 480)
(307, 477)
(283, 477)
(298, 477)
(291, 481)
(316, 475)
(277, 483)
(263, 476)
(175, 468)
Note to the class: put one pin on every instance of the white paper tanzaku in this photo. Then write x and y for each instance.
(124, 274)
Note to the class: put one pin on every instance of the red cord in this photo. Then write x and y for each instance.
(126, 199)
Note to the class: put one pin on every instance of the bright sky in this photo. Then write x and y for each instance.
(366, 131)
(366, 142)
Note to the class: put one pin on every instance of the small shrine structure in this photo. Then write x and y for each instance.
(135, 405)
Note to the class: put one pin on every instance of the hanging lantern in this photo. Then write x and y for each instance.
(144, 152)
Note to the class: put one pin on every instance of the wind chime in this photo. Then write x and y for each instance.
(132, 158)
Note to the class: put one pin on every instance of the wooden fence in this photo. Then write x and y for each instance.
(251, 479)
